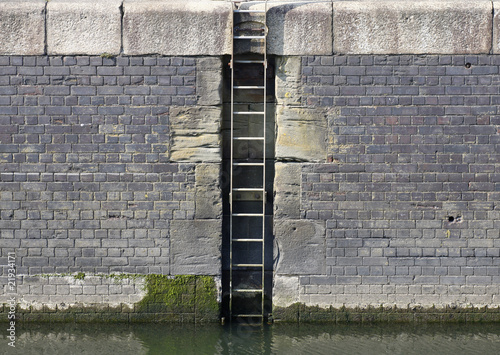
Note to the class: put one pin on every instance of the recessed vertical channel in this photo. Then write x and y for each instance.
(248, 139)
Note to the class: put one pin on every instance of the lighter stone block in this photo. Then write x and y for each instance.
(83, 27)
(209, 81)
(405, 27)
(300, 247)
(496, 27)
(302, 134)
(288, 81)
(195, 247)
(177, 27)
(287, 180)
(208, 198)
(22, 27)
(285, 290)
(195, 134)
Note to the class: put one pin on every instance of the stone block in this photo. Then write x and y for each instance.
(209, 81)
(496, 27)
(421, 27)
(285, 290)
(302, 134)
(22, 27)
(300, 247)
(177, 27)
(298, 28)
(288, 81)
(287, 180)
(208, 198)
(83, 27)
(195, 247)
(195, 134)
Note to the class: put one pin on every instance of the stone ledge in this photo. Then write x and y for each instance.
(22, 27)
(177, 27)
(204, 27)
(422, 27)
(83, 27)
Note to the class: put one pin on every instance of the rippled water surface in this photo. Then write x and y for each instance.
(287, 339)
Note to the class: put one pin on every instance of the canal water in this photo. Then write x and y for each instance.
(289, 339)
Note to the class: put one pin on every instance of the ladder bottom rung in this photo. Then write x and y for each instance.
(248, 138)
(248, 315)
(249, 37)
(244, 61)
(248, 265)
(247, 240)
(244, 290)
(248, 113)
(248, 164)
(247, 214)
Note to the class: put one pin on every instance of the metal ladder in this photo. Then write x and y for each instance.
(248, 171)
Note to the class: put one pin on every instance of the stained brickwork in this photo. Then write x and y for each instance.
(408, 194)
(87, 182)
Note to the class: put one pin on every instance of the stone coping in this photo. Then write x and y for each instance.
(203, 27)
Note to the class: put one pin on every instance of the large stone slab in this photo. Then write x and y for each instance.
(496, 27)
(288, 81)
(406, 27)
(195, 134)
(300, 247)
(22, 27)
(83, 27)
(287, 179)
(298, 28)
(208, 192)
(177, 27)
(209, 81)
(195, 247)
(302, 134)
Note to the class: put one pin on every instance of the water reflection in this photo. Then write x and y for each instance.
(239, 339)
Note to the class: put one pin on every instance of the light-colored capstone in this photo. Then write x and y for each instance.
(177, 27)
(195, 134)
(298, 28)
(195, 247)
(405, 27)
(83, 27)
(22, 27)
(302, 134)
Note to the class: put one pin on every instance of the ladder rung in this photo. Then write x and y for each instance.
(247, 240)
(248, 315)
(248, 164)
(249, 11)
(249, 37)
(257, 189)
(248, 265)
(250, 290)
(247, 215)
(249, 61)
(248, 112)
(249, 87)
(248, 138)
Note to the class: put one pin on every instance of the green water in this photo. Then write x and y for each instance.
(286, 339)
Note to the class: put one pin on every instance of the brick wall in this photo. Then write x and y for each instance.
(87, 180)
(405, 203)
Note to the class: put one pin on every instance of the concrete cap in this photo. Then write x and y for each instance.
(84, 27)
(496, 27)
(404, 27)
(22, 27)
(177, 27)
(299, 28)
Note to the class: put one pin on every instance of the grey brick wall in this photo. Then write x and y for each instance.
(87, 181)
(407, 196)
